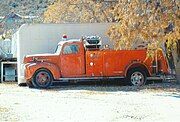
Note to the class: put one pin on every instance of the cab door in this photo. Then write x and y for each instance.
(72, 61)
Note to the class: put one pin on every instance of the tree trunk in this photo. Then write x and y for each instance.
(177, 66)
(178, 72)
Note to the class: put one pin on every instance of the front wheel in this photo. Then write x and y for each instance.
(42, 78)
(29, 84)
(136, 77)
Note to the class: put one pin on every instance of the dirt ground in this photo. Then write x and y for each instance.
(153, 102)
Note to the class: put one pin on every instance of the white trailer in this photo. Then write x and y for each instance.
(43, 38)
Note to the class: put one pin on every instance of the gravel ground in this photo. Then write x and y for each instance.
(153, 102)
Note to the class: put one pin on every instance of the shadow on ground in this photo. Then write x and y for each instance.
(118, 85)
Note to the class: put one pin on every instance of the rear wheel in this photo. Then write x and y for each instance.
(136, 77)
(42, 79)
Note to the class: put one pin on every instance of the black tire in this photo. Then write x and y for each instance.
(42, 79)
(136, 77)
(29, 84)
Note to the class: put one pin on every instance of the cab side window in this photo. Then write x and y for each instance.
(70, 49)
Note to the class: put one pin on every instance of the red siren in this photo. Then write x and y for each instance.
(64, 37)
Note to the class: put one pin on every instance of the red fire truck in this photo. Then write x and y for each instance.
(83, 59)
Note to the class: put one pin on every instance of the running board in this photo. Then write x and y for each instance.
(164, 78)
(87, 78)
(154, 78)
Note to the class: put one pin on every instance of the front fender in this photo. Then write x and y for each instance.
(31, 68)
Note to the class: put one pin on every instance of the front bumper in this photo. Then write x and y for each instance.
(27, 73)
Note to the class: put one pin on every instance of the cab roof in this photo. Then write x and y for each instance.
(70, 40)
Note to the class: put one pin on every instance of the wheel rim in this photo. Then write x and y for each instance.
(42, 79)
(137, 78)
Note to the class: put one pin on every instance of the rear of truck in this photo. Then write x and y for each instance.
(134, 65)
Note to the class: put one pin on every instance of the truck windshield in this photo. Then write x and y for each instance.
(58, 49)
